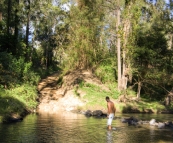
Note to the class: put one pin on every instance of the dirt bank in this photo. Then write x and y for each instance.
(56, 93)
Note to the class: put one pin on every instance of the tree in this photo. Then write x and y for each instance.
(85, 27)
(127, 14)
(150, 57)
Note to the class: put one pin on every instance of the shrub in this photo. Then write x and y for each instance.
(106, 72)
(18, 100)
(16, 71)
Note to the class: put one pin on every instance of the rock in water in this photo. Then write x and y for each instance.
(161, 125)
(152, 122)
(97, 113)
(114, 129)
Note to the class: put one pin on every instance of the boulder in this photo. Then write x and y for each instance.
(88, 113)
(124, 120)
(130, 121)
(161, 125)
(97, 113)
(152, 122)
(169, 124)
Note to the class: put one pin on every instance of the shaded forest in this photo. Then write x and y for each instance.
(123, 42)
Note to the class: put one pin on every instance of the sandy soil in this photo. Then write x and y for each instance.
(54, 97)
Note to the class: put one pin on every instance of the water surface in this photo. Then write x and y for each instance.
(76, 128)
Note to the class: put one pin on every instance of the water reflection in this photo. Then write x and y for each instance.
(74, 128)
(152, 133)
(109, 137)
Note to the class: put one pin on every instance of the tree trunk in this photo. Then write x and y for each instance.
(124, 69)
(0, 16)
(126, 30)
(27, 30)
(8, 24)
(9, 17)
(139, 89)
(118, 45)
(46, 57)
(16, 32)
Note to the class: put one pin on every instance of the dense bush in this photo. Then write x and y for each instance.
(16, 71)
(106, 71)
(17, 85)
(18, 99)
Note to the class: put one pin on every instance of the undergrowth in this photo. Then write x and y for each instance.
(18, 99)
(95, 95)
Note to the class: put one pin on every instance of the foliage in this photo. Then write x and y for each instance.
(106, 71)
(38, 38)
(150, 60)
(18, 81)
(14, 71)
(85, 31)
(95, 95)
(18, 99)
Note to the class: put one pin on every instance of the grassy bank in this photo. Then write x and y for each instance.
(18, 100)
(95, 99)
(95, 95)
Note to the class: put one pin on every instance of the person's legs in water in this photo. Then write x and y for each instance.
(109, 121)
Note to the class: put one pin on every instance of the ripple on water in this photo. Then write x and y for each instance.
(74, 128)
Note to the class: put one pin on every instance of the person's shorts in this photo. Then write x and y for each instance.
(110, 118)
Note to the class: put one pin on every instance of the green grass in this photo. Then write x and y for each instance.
(95, 96)
(142, 106)
(18, 99)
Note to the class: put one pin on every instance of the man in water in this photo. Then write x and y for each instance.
(111, 112)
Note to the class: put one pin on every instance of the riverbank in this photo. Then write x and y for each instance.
(76, 91)
(18, 102)
(81, 90)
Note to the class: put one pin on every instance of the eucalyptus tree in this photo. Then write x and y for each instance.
(114, 10)
(125, 22)
(13, 18)
(131, 16)
(28, 12)
(131, 22)
(86, 45)
(8, 17)
(47, 27)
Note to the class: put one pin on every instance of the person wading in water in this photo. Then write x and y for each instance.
(111, 112)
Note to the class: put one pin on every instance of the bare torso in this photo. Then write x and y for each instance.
(111, 107)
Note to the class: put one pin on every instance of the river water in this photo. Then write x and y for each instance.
(76, 128)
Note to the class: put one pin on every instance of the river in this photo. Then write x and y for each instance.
(76, 128)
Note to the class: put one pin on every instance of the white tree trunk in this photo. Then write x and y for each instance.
(118, 45)
(139, 89)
